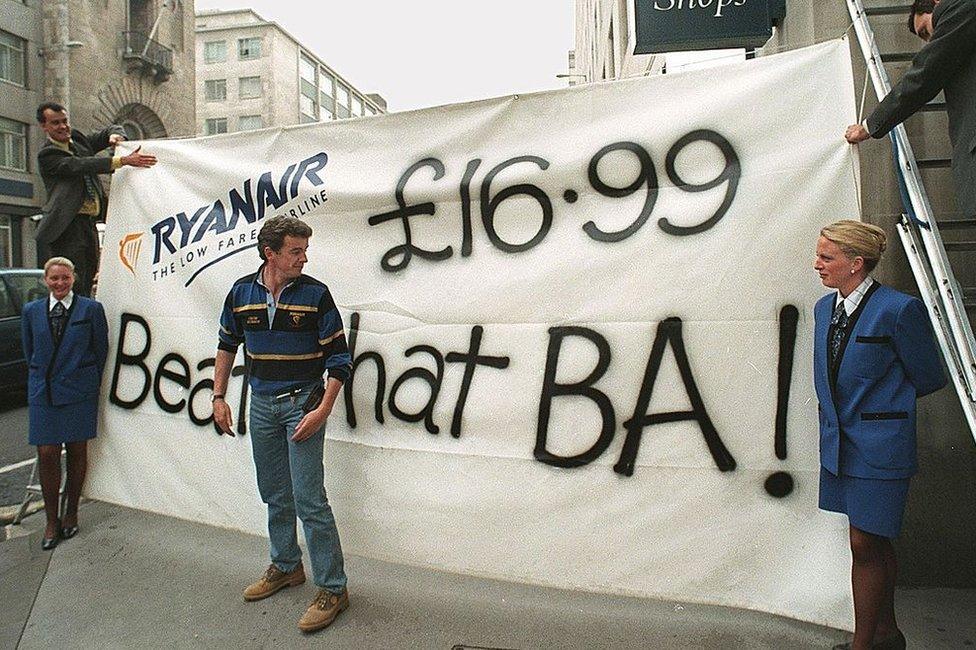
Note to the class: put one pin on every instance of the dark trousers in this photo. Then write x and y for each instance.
(79, 243)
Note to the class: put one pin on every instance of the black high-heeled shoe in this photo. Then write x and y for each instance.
(48, 543)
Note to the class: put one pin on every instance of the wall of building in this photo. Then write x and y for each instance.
(284, 65)
(105, 88)
(278, 67)
(603, 47)
(231, 70)
(21, 190)
(937, 542)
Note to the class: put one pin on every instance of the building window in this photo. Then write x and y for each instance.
(326, 82)
(13, 144)
(306, 69)
(308, 109)
(216, 125)
(249, 48)
(357, 107)
(249, 87)
(12, 66)
(6, 246)
(214, 51)
(325, 112)
(342, 101)
(250, 122)
(215, 90)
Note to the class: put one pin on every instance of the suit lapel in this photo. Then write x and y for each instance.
(822, 319)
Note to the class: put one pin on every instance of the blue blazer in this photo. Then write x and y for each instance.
(70, 371)
(867, 408)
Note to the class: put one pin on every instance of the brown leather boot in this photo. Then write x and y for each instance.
(323, 610)
(273, 581)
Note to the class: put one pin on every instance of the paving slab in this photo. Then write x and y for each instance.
(22, 568)
(135, 579)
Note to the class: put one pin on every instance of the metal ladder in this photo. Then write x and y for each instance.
(918, 229)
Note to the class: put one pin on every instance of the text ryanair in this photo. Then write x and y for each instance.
(252, 201)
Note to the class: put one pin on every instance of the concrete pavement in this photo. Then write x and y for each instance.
(135, 579)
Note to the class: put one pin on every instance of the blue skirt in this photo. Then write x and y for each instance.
(876, 506)
(52, 425)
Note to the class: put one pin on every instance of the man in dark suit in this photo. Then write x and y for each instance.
(75, 199)
(947, 63)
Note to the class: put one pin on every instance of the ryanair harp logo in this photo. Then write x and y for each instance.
(129, 249)
(296, 318)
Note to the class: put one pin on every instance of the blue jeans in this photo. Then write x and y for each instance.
(291, 480)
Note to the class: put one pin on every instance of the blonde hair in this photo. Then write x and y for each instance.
(59, 261)
(857, 239)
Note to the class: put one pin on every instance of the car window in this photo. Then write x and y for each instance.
(7, 308)
(25, 287)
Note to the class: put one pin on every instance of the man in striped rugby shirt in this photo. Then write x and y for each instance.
(292, 335)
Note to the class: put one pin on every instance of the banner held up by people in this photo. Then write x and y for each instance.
(580, 319)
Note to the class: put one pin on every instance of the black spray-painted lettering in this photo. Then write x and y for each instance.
(407, 250)
(165, 371)
(668, 333)
(551, 389)
(780, 484)
(433, 381)
(399, 257)
(471, 360)
(732, 173)
(489, 204)
(647, 176)
(357, 359)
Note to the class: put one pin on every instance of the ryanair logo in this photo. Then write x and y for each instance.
(191, 241)
(129, 249)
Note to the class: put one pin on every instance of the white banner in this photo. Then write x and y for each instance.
(581, 319)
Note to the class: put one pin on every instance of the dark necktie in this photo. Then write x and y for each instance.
(57, 320)
(839, 324)
(90, 191)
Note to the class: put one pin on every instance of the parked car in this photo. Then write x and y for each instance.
(17, 288)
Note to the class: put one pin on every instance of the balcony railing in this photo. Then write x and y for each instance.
(151, 56)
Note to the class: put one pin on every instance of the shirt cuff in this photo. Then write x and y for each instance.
(116, 162)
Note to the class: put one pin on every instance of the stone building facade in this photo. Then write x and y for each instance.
(604, 47)
(128, 62)
(21, 87)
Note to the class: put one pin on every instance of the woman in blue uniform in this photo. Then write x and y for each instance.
(65, 344)
(874, 354)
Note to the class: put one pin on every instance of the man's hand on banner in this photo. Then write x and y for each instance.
(856, 133)
(138, 159)
(223, 421)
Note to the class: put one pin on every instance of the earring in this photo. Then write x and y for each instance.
(852, 271)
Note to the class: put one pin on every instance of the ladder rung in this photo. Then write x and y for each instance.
(933, 163)
(887, 10)
(896, 57)
(933, 107)
(960, 245)
(969, 297)
(957, 224)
